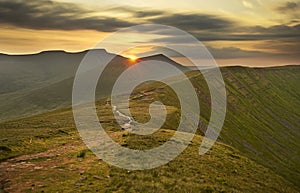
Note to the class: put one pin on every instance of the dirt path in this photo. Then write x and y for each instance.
(12, 170)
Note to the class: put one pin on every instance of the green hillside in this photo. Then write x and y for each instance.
(263, 114)
(261, 133)
(47, 155)
(263, 117)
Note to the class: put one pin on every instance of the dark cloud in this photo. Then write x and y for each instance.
(233, 52)
(253, 33)
(149, 13)
(235, 34)
(278, 40)
(46, 14)
(288, 46)
(288, 6)
(270, 33)
(193, 22)
(218, 53)
(214, 28)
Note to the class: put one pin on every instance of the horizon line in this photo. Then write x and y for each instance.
(103, 49)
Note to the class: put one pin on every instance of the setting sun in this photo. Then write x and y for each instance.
(133, 58)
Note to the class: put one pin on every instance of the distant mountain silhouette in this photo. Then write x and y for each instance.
(163, 58)
(34, 83)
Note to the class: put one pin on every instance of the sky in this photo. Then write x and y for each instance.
(236, 32)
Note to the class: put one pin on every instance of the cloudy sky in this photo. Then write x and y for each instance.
(237, 32)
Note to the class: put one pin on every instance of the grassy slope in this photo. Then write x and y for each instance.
(262, 123)
(49, 156)
(263, 117)
(263, 114)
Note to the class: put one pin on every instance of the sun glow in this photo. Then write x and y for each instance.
(133, 58)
